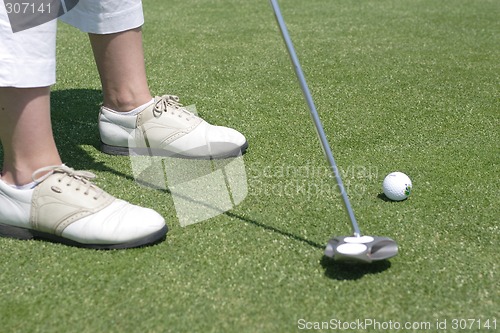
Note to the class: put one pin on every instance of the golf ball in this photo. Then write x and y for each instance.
(397, 186)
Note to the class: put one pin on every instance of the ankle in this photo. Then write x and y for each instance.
(16, 181)
(20, 177)
(134, 111)
(24, 187)
(126, 102)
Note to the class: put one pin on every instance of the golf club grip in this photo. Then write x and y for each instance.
(314, 114)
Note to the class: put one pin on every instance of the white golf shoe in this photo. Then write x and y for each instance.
(166, 128)
(66, 207)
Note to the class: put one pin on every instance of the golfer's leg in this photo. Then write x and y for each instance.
(26, 133)
(120, 62)
(114, 28)
(27, 62)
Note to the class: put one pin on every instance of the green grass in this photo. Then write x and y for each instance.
(400, 85)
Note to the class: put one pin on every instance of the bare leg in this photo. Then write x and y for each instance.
(120, 62)
(26, 133)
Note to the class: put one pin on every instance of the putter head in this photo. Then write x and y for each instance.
(361, 249)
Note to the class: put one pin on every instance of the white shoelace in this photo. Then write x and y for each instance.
(73, 177)
(164, 102)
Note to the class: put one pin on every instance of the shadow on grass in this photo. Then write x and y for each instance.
(345, 271)
(383, 197)
(75, 123)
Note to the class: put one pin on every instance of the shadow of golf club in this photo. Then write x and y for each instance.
(342, 271)
(276, 230)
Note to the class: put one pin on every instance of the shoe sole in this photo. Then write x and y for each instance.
(27, 234)
(126, 151)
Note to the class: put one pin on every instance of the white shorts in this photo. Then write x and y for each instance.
(28, 58)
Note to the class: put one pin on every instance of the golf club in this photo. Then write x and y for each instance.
(354, 248)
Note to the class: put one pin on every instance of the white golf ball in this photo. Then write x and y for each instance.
(397, 186)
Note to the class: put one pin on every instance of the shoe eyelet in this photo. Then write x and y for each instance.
(56, 189)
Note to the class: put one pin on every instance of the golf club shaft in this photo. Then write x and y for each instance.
(314, 115)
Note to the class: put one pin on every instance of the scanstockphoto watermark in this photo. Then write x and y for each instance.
(445, 324)
(363, 325)
(26, 14)
(310, 181)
